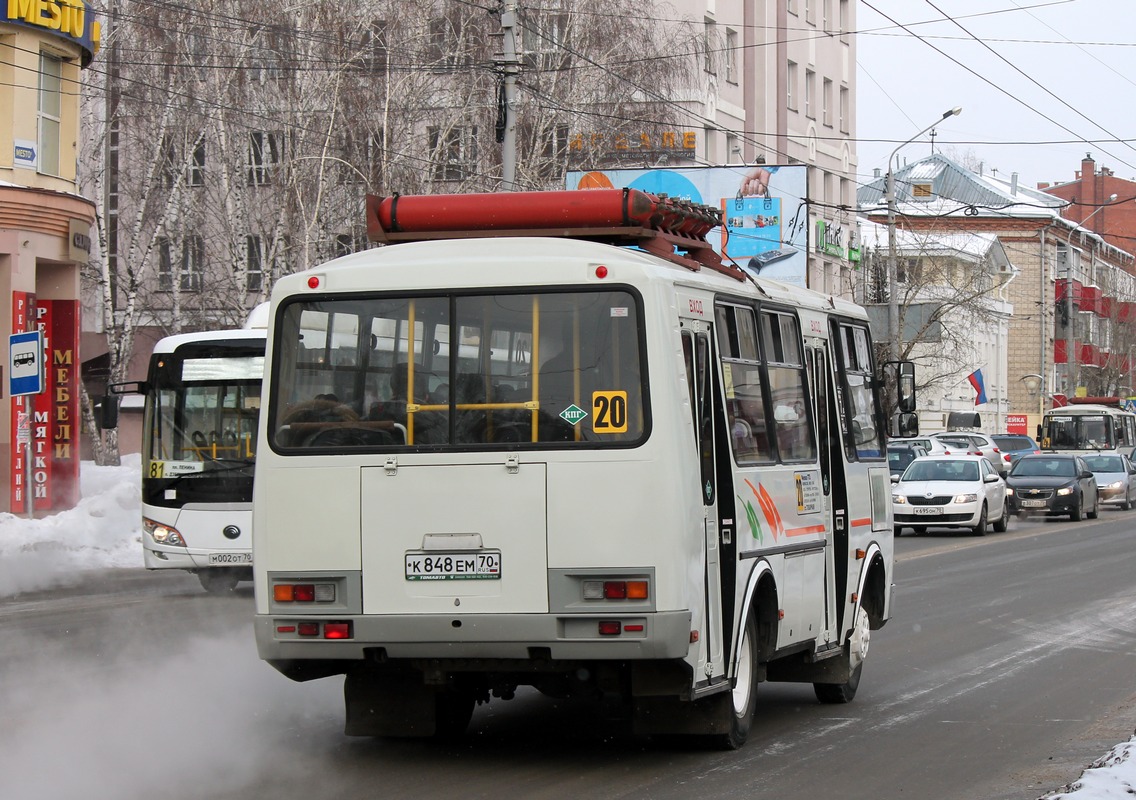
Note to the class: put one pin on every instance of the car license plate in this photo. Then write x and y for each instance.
(479, 565)
(221, 559)
(927, 511)
(1033, 504)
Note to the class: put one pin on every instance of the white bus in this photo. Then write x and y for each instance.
(198, 453)
(1093, 427)
(634, 475)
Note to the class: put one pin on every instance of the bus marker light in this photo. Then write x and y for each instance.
(780, 613)
(337, 630)
(860, 554)
(694, 637)
(601, 272)
(314, 282)
(285, 628)
(633, 628)
(610, 627)
(308, 629)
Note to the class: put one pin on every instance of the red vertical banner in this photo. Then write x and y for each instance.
(63, 388)
(41, 417)
(23, 304)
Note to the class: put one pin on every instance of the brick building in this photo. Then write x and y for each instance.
(1092, 204)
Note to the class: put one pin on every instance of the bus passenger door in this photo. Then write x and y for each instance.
(832, 477)
(698, 349)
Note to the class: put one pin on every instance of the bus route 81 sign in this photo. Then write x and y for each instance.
(25, 363)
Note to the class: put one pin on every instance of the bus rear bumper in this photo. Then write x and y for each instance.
(556, 637)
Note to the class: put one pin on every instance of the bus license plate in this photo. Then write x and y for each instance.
(1033, 504)
(927, 511)
(220, 559)
(481, 565)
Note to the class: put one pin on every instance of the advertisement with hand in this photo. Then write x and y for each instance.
(764, 209)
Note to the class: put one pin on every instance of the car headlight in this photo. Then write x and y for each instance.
(1065, 490)
(1009, 491)
(1114, 485)
(899, 499)
(966, 498)
(163, 534)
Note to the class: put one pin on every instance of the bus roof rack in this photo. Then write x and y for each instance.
(670, 228)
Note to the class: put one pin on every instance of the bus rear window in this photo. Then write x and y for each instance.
(554, 369)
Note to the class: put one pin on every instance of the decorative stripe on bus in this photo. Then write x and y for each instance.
(859, 523)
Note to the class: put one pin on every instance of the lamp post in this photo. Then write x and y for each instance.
(893, 301)
(1033, 383)
(1070, 317)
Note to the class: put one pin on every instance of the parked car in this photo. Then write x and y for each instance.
(1014, 446)
(950, 492)
(975, 444)
(900, 455)
(933, 446)
(1053, 483)
(1116, 479)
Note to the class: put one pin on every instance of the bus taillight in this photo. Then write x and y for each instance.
(304, 592)
(616, 590)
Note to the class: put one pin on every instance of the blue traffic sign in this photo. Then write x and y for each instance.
(26, 370)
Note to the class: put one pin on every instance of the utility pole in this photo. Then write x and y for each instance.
(510, 67)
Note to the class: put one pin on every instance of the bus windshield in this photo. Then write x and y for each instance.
(1079, 432)
(204, 411)
(549, 368)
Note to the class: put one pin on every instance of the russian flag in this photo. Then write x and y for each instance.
(976, 381)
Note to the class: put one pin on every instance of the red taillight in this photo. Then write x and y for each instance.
(308, 629)
(610, 627)
(615, 590)
(304, 593)
(337, 630)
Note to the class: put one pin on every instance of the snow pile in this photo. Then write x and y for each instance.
(103, 530)
(1112, 777)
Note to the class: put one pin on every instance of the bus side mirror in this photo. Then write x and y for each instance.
(907, 425)
(905, 387)
(129, 387)
(106, 413)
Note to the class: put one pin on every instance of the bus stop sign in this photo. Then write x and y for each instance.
(26, 371)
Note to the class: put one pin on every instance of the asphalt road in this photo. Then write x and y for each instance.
(1008, 666)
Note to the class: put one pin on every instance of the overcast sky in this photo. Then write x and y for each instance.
(1040, 82)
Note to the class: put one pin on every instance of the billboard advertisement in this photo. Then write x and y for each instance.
(764, 209)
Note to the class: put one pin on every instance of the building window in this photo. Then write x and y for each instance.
(826, 103)
(791, 6)
(908, 271)
(791, 86)
(810, 94)
(445, 46)
(709, 35)
(810, 17)
(254, 264)
(362, 159)
(375, 53)
(192, 264)
(264, 153)
(50, 102)
(544, 39)
(731, 55)
(183, 157)
(845, 20)
(844, 100)
(453, 152)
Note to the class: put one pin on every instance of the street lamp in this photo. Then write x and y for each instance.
(893, 300)
(1033, 383)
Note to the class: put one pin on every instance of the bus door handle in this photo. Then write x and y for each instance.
(727, 535)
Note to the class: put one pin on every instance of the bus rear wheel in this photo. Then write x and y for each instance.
(858, 643)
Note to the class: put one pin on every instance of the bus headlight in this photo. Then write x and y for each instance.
(163, 534)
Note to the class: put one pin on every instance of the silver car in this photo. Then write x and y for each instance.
(975, 444)
(1116, 481)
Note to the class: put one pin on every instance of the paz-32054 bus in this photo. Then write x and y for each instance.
(555, 462)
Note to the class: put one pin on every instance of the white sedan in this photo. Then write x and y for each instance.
(950, 492)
